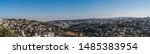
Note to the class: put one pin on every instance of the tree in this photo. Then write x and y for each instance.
(5, 32)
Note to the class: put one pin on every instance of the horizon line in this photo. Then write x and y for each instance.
(71, 19)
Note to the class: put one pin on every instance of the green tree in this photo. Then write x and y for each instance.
(5, 32)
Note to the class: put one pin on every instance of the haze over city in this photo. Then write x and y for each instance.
(73, 9)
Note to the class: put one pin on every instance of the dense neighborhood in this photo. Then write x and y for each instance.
(104, 27)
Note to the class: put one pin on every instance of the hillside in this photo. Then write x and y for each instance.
(111, 27)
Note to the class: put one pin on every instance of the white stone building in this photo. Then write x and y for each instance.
(1, 21)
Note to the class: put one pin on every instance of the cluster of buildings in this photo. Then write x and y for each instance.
(28, 28)
(114, 27)
(121, 27)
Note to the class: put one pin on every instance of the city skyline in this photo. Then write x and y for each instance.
(73, 9)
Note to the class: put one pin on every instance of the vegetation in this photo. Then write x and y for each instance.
(5, 32)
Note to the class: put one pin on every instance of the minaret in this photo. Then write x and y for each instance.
(148, 17)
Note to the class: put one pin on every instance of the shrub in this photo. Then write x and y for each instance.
(5, 32)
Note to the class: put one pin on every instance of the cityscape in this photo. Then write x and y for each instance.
(92, 27)
(74, 18)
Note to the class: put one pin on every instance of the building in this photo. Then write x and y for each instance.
(1, 21)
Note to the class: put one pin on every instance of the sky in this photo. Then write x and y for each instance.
(73, 9)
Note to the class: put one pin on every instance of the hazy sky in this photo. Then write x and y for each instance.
(74, 9)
